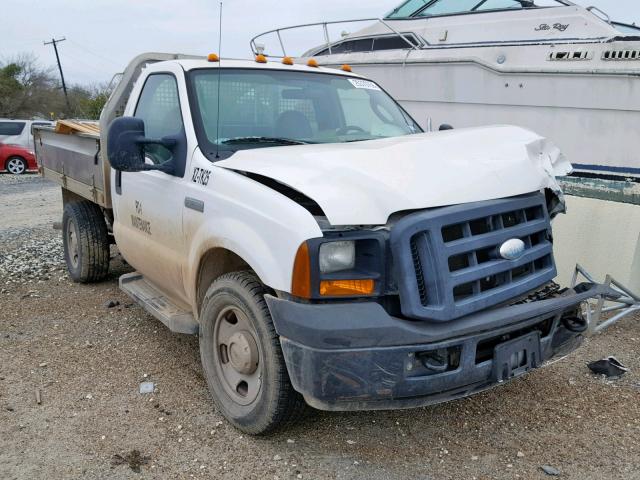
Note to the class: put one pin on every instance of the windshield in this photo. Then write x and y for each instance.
(427, 8)
(272, 107)
(627, 29)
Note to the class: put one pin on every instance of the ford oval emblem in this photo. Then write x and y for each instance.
(512, 249)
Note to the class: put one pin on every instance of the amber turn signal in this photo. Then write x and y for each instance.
(301, 278)
(287, 61)
(212, 57)
(347, 288)
(260, 58)
(312, 63)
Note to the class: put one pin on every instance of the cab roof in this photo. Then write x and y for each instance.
(272, 64)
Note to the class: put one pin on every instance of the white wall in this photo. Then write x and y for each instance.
(602, 236)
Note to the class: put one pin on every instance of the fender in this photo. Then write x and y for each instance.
(260, 225)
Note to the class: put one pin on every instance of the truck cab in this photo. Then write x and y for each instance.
(325, 249)
(262, 106)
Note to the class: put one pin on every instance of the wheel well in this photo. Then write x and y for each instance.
(68, 196)
(214, 263)
(71, 197)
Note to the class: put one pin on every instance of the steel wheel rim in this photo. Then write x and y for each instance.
(72, 244)
(15, 166)
(237, 355)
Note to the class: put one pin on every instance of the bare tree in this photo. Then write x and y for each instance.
(27, 89)
(87, 101)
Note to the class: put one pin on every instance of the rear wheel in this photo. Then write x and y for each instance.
(242, 359)
(16, 165)
(86, 242)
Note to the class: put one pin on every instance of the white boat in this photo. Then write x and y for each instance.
(567, 72)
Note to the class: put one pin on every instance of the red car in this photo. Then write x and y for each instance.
(16, 159)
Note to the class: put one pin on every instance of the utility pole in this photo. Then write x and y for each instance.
(55, 42)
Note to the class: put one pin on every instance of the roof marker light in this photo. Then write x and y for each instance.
(346, 68)
(287, 61)
(312, 63)
(260, 58)
(213, 57)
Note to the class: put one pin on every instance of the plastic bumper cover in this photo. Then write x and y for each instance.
(354, 356)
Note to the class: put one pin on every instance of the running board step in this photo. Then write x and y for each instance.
(153, 301)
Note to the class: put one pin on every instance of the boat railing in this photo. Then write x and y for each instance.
(603, 15)
(257, 48)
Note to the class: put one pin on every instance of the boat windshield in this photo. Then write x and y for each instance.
(267, 108)
(627, 29)
(428, 8)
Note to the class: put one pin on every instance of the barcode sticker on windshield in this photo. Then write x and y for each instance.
(356, 82)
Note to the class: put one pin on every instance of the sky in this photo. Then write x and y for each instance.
(103, 35)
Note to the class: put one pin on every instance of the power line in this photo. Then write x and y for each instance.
(94, 54)
(55, 42)
(79, 61)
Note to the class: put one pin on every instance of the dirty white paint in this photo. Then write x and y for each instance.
(603, 236)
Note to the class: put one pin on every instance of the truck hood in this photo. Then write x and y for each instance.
(363, 183)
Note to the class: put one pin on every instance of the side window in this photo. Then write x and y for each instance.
(159, 107)
(393, 43)
(11, 128)
(351, 46)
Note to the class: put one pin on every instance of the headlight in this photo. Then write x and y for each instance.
(339, 265)
(337, 256)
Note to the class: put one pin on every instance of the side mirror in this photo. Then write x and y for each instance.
(445, 126)
(125, 146)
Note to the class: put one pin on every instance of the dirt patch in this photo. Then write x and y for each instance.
(88, 360)
(134, 459)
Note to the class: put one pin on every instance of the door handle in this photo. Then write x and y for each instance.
(119, 182)
(194, 204)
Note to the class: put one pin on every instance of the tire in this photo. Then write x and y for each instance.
(86, 242)
(267, 401)
(16, 165)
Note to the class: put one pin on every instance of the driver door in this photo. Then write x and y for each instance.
(147, 205)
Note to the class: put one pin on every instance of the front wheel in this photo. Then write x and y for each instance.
(16, 165)
(242, 359)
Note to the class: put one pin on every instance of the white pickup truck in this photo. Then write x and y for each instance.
(327, 251)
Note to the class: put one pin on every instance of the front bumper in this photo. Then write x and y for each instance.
(354, 356)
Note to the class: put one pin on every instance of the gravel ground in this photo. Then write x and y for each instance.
(86, 361)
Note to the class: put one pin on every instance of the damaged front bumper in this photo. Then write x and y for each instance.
(354, 356)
